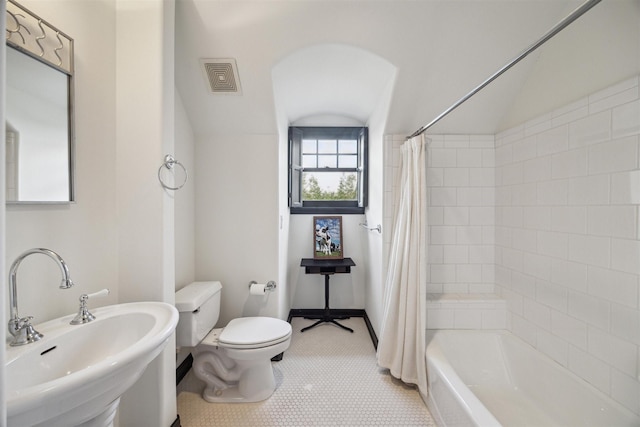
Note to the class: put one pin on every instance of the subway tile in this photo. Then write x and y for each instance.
(439, 319)
(606, 104)
(456, 215)
(481, 254)
(469, 196)
(504, 155)
(443, 273)
(590, 130)
(469, 273)
(553, 346)
(471, 235)
(590, 309)
(512, 216)
(612, 285)
(443, 235)
(467, 319)
(592, 250)
(552, 141)
(537, 217)
(482, 141)
(494, 319)
(537, 313)
(442, 158)
(488, 196)
(616, 352)
(553, 244)
(538, 266)
(456, 177)
(470, 158)
(524, 149)
(443, 196)
(553, 192)
(626, 119)
(614, 156)
(524, 329)
(488, 158)
(589, 190)
(625, 323)
(572, 275)
(525, 194)
(590, 368)
(625, 255)
(536, 170)
(481, 215)
(569, 164)
(456, 141)
(569, 328)
(570, 116)
(613, 221)
(555, 297)
(435, 177)
(436, 254)
(435, 215)
(569, 219)
(626, 390)
(456, 254)
(525, 240)
(482, 177)
(625, 188)
(488, 278)
(488, 234)
(512, 174)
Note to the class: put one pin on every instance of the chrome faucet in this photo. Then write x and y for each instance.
(21, 328)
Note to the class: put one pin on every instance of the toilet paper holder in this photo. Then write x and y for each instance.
(270, 286)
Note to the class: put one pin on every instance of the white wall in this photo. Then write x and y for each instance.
(346, 290)
(184, 199)
(145, 119)
(237, 220)
(568, 236)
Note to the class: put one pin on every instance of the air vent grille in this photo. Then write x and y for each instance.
(222, 76)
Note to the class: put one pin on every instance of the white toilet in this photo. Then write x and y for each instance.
(234, 361)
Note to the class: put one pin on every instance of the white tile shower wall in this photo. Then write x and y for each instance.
(461, 215)
(567, 236)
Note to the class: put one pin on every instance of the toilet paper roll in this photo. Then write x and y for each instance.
(258, 289)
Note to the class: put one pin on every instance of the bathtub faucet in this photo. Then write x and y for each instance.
(21, 328)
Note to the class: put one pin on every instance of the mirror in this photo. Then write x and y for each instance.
(39, 107)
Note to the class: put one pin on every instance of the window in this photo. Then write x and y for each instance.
(327, 170)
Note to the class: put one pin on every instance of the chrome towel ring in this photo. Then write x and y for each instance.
(169, 163)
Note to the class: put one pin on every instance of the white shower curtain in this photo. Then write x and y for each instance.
(401, 347)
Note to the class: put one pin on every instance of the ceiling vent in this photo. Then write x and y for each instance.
(222, 76)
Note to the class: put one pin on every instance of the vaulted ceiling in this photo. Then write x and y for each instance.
(302, 58)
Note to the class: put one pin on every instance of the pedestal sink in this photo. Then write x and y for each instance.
(75, 375)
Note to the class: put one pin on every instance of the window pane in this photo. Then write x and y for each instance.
(348, 146)
(330, 186)
(309, 146)
(309, 161)
(348, 161)
(327, 161)
(327, 146)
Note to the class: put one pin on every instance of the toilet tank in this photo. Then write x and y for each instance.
(199, 306)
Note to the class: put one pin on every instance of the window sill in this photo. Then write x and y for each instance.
(329, 210)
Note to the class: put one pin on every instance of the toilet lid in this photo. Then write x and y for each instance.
(252, 332)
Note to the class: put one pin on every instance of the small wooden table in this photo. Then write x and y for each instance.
(327, 267)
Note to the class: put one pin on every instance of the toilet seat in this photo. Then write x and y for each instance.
(254, 332)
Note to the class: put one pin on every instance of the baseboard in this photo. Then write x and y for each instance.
(176, 423)
(183, 369)
(319, 312)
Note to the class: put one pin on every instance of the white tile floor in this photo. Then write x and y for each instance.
(328, 377)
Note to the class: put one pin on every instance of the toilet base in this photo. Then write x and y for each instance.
(232, 395)
(256, 382)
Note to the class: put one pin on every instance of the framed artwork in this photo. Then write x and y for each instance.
(327, 237)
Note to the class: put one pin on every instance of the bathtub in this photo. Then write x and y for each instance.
(492, 378)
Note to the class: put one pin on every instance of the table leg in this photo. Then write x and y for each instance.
(327, 318)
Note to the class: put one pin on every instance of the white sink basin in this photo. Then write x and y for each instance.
(76, 373)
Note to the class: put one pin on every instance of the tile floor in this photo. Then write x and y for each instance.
(328, 377)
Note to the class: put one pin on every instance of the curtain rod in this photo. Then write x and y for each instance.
(552, 32)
